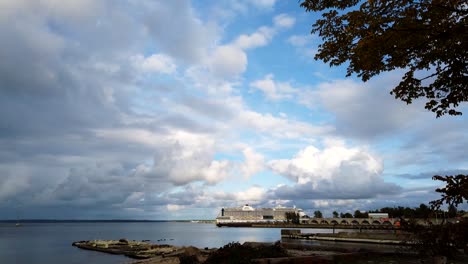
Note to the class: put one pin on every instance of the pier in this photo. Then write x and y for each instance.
(356, 237)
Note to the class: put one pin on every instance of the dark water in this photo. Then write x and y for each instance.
(51, 242)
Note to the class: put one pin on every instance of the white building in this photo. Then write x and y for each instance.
(378, 215)
(248, 214)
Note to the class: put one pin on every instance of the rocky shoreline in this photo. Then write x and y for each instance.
(249, 252)
(253, 252)
(373, 238)
(141, 249)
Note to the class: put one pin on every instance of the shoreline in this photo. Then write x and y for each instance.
(354, 237)
(144, 252)
(291, 249)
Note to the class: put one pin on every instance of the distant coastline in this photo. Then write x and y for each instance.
(102, 221)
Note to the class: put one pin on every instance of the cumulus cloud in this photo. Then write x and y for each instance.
(263, 3)
(364, 111)
(274, 90)
(156, 63)
(228, 61)
(284, 21)
(152, 121)
(86, 78)
(252, 194)
(299, 40)
(187, 158)
(304, 45)
(174, 207)
(180, 157)
(435, 144)
(336, 172)
(188, 28)
(253, 162)
(259, 38)
(280, 127)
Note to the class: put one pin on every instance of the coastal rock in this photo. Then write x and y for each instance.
(159, 260)
(250, 252)
(132, 249)
(123, 241)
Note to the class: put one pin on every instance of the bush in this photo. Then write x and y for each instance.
(234, 252)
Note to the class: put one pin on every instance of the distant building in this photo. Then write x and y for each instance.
(378, 215)
(248, 214)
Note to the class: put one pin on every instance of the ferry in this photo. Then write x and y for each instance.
(247, 215)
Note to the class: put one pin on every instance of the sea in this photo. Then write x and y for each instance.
(51, 242)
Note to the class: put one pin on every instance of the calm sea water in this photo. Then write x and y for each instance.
(51, 242)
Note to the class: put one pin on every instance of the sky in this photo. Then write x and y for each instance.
(141, 109)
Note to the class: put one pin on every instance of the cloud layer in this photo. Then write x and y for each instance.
(157, 109)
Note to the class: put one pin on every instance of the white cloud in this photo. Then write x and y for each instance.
(279, 126)
(179, 157)
(274, 90)
(263, 3)
(253, 162)
(259, 38)
(299, 40)
(333, 203)
(157, 63)
(228, 61)
(264, 34)
(363, 110)
(284, 21)
(313, 165)
(252, 194)
(132, 135)
(187, 38)
(336, 171)
(304, 45)
(144, 138)
(71, 10)
(185, 157)
(174, 207)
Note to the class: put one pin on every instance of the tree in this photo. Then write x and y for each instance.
(318, 214)
(426, 38)
(335, 214)
(292, 217)
(423, 211)
(446, 238)
(454, 192)
(359, 214)
(347, 215)
(452, 211)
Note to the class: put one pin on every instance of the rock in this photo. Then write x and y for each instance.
(102, 245)
(159, 260)
(439, 260)
(123, 241)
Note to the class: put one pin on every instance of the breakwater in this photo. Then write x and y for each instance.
(367, 237)
(316, 226)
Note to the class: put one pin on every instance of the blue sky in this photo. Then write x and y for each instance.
(173, 109)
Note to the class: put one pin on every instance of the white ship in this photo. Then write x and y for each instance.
(247, 215)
